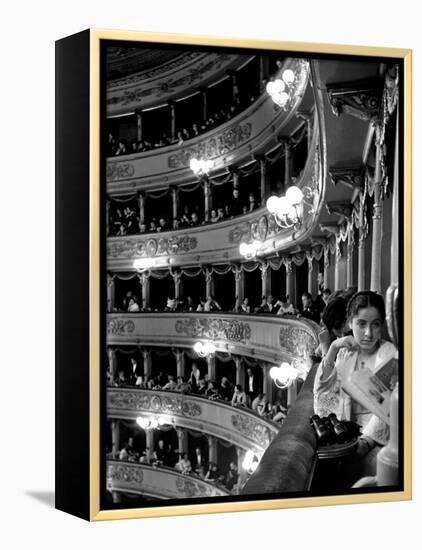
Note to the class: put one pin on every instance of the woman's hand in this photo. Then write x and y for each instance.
(347, 342)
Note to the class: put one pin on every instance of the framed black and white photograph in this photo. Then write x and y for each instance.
(234, 303)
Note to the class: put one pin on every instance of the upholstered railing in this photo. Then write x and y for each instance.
(237, 425)
(288, 464)
(266, 337)
(255, 129)
(162, 483)
(220, 241)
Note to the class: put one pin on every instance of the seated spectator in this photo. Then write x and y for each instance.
(122, 230)
(259, 404)
(236, 203)
(121, 148)
(253, 204)
(201, 305)
(176, 223)
(184, 465)
(201, 472)
(270, 304)
(185, 134)
(171, 304)
(225, 389)
(142, 227)
(212, 391)
(161, 453)
(231, 477)
(227, 212)
(121, 379)
(239, 398)
(220, 213)
(185, 219)
(179, 138)
(189, 305)
(171, 384)
(308, 308)
(211, 304)
(182, 386)
(278, 412)
(162, 225)
(245, 209)
(263, 308)
(212, 473)
(194, 219)
(133, 306)
(214, 216)
(246, 308)
(202, 387)
(139, 382)
(285, 307)
(152, 226)
(195, 130)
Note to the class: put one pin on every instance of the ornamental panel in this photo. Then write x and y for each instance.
(232, 330)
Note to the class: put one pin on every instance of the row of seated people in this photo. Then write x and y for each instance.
(194, 464)
(203, 386)
(127, 222)
(121, 146)
(311, 309)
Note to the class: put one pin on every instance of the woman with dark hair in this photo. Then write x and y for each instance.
(363, 349)
(333, 320)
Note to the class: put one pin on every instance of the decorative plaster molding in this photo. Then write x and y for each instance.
(149, 247)
(214, 329)
(120, 326)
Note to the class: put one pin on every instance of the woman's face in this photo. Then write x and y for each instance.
(366, 326)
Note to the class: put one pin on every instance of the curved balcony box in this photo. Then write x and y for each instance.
(179, 77)
(219, 243)
(266, 337)
(237, 140)
(161, 483)
(236, 425)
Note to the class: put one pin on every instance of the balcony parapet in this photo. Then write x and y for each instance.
(237, 425)
(219, 242)
(254, 129)
(265, 337)
(162, 483)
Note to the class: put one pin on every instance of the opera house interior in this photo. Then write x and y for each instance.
(252, 250)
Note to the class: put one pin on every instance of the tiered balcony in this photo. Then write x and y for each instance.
(161, 483)
(239, 426)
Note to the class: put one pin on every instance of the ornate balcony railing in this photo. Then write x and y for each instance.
(237, 425)
(178, 77)
(162, 483)
(266, 337)
(254, 129)
(220, 242)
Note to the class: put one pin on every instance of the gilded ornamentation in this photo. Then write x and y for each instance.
(214, 329)
(124, 472)
(139, 400)
(251, 429)
(212, 147)
(120, 326)
(296, 341)
(190, 488)
(136, 248)
(119, 170)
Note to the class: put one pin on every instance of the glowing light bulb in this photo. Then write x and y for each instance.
(288, 76)
(294, 195)
(272, 204)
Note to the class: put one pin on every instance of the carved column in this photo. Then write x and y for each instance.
(287, 162)
(209, 283)
(212, 449)
(350, 249)
(310, 261)
(376, 240)
(207, 198)
(337, 274)
(264, 178)
(363, 229)
(236, 178)
(115, 438)
(327, 266)
(112, 364)
(239, 278)
(145, 291)
(141, 205)
(149, 444)
(138, 113)
(290, 282)
(204, 96)
(182, 440)
(177, 279)
(211, 367)
(291, 394)
(147, 364)
(265, 279)
(180, 362)
(172, 106)
(175, 201)
(107, 217)
(240, 378)
(264, 72)
(267, 384)
(111, 292)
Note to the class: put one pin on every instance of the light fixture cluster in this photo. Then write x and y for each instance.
(249, 250)
(205, 349)
(285, 374)
(250, 462)
(286, 209)
(153, 422)
(280, 88)
(201, 167)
